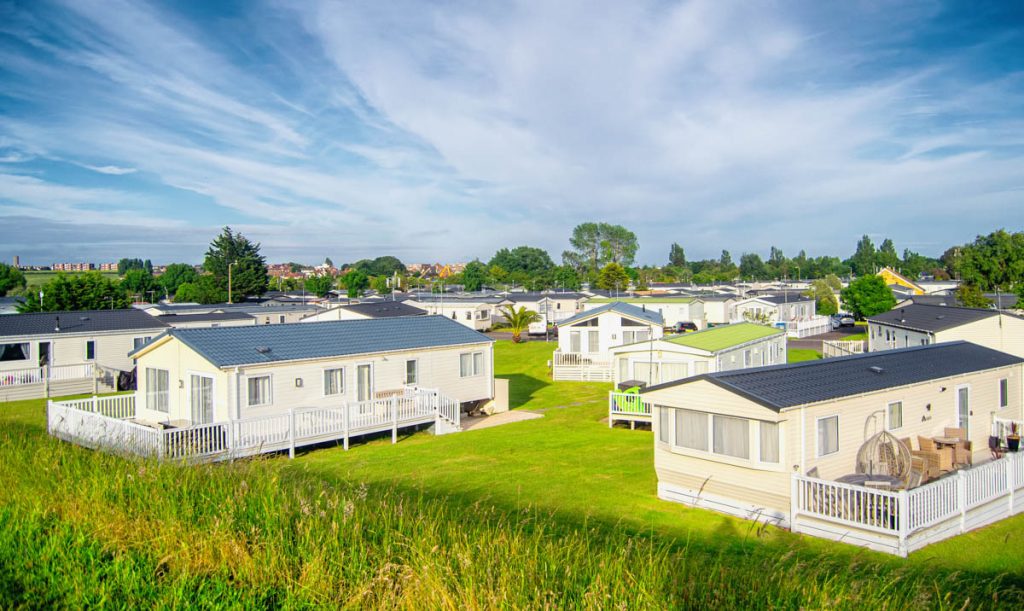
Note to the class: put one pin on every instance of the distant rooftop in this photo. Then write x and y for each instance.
(77, 321)
(921, 317)
(726, 336)
(782, 386)
(619, 307)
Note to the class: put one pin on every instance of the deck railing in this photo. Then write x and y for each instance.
(901, 521)
(580, 366)
(104, 422)
(629, 407)
(38, 375)
(830, 349)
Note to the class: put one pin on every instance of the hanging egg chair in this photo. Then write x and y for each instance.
(883, 454)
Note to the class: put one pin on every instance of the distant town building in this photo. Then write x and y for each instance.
(17, 261)
(108, 267)
(73, 267)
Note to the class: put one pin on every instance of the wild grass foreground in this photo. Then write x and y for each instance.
(80, 528)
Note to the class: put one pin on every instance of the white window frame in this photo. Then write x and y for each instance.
(145, 339)
(153, 396)
(270, 390)
(1004, 393)
(473, 372)
(753, 436)
(323, 382)
(817, 448)
(372, 381)
(405, 372)
(190, 373)
(90, 342)
(888, 415)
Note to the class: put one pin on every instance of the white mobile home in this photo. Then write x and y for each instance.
(673, 310)
(62, 353)
(770, 443)
(919, 325)
(198, 376)
(363, 311)
(585, 341)
(475, 312)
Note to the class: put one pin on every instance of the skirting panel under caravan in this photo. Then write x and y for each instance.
(703, 500)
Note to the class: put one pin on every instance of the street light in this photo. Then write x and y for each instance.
(230, 265)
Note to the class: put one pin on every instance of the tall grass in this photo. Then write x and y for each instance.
(80, 528)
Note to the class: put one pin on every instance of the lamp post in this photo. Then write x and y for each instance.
(230, 265)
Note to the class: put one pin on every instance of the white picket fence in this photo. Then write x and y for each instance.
(831, 349)
(104, 422)
(38, 375)
(578, 367)
(816, 325)
(899, 522)
(628, 407)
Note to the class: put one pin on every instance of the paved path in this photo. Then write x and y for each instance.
(484, 422)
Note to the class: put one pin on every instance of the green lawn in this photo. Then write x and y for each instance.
(795, 355)
(557, 511)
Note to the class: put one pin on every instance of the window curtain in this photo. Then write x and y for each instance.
(770, 442)
(732, 436)
(828, 436)
(673, 371)
(692, 429)
(664, 422)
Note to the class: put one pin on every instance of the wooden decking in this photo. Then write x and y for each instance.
(108, 423)
(577, 367)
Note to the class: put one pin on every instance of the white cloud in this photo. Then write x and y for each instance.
(109, 169)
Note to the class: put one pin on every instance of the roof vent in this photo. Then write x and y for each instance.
(56, 325)
(263, 349)
(940, 317)
(876, 369)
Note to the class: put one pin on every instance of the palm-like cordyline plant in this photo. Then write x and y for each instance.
(519, 320)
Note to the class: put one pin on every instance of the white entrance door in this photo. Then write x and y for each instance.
(963, 408)
(201, 399)
(364, 385)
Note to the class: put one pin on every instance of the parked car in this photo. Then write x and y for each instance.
(843, 320)
(684, 327)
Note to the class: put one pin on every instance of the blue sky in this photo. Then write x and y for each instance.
(443, 131)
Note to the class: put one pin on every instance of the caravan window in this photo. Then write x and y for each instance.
(14, 352)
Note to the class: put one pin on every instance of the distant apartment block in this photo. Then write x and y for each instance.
(17, 261)
(73, 267)
(108, 267)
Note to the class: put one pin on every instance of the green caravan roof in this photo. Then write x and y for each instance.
(720, 338)
(645, 300)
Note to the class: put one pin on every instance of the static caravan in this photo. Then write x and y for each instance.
(198, 376)
(742, 441)
(919, 325)
(62, 353)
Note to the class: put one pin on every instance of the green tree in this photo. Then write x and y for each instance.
(175, 275)
(205, 289)
(89, 291)
(11, 279)
(863, 261)
(526, 259)
(124, 265)
(725, 260)
(752, 267)
(380, 284)
(613, 277)
(676, 255)
(248, 267)
(970, 296)
(565, 277)
(995, 261)
(355, 282)
(867, 296)
(474, 275)
(319, 285)
(822, 292)
(381, 266)
(596, 244)
(518, 320)
(328, 262)
(140, 284)
(886, 255)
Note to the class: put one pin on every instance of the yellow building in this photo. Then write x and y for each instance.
(892, 276)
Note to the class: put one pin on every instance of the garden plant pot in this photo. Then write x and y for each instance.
(1013, 442)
